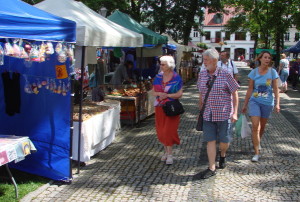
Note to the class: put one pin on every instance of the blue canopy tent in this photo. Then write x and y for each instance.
(293, 49)
(45, 116)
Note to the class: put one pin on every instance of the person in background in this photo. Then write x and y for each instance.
(167, 86)
(121, 73)
(283, 72)
(242, 57)
(227, 64)
(220, 110)
(262, 84)
(295, 72)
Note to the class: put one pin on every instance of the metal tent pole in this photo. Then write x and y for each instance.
(80, 107)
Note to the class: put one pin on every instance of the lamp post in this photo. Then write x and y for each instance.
(102, 11)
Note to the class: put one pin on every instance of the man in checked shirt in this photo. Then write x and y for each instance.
(220, 110)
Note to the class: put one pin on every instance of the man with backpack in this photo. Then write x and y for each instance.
(227, 64)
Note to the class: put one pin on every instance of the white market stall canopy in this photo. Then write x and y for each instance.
(92, 29)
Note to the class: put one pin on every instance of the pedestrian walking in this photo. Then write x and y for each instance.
(259, 97)
(220, 110)
(167, 86)
(283, 72)
(295, 72)
(227, 64)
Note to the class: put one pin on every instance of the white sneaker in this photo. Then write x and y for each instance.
(255, 158)
(164, 157)
(169, 160)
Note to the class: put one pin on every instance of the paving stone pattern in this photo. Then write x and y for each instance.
(130, 169)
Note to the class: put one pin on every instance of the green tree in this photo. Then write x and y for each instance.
(266, 20)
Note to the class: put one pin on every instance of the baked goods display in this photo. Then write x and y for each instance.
(131, 90)
(89, 109)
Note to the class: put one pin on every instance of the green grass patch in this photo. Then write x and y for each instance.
(26, 183)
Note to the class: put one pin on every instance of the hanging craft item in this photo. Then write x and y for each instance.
(27, 48)
(1, 56)
(38, 83)
(16, 49)
(34, 54)
(42, 50)
(8, 50)
(64, 90)
(44, 83)
(27, 86)
(62, 57)
(61, 71)
(49, 48)
(58, 47)
(34, 88)
(47, 86)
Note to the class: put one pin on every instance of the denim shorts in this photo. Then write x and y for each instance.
(284, 75)
(218, 130)
(261, 110)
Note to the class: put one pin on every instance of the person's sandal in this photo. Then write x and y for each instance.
(164, 157)
(169, 160)
(222, 162)
(208, 173)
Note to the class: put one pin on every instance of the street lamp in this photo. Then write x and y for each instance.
(102, 11)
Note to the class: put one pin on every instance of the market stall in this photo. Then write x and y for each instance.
(136, 108)
(35, 99)
(93, 30)
(136, 101)
(101, 122)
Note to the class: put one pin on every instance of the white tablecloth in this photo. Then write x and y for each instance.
(96, 133)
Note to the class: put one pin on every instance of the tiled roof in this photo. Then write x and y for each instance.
(209, 18)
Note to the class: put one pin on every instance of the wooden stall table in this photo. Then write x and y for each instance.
(133, 108)
(14, 148)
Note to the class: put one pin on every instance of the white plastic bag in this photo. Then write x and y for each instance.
(279, 83)
(246, 130)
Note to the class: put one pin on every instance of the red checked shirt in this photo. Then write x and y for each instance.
(219, 105)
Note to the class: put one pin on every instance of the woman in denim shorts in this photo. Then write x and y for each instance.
(259, 97)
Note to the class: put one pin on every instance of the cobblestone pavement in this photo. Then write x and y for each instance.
(130, 169)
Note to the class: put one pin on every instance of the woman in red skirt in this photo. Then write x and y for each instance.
(167, 86)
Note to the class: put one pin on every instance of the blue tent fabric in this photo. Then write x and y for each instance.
(293, 49)
(21, 20)
(44, 117)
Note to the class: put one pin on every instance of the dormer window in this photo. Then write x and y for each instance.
(218, 18)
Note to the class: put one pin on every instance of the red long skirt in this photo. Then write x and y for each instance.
(166, 127)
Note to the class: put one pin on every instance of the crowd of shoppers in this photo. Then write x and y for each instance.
(217, 85)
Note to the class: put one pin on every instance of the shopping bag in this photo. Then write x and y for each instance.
(199, 126)
(238, 126)
(245, 129)
(279, 83)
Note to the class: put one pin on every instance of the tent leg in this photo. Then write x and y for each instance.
(80, 107)
(71, 124)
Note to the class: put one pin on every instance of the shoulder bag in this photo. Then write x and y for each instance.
(199, 126)
(173, 108)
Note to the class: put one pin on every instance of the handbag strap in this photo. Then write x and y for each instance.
(207, 93)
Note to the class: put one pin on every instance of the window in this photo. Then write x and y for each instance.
(196, 34)
(297, 36)
(227, 36)
(287, 37)
(207, 35)
(240, 36)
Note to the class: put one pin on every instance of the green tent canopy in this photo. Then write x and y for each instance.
(258, 51)
(150, 37)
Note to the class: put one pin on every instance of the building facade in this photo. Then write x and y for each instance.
(239, 43)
